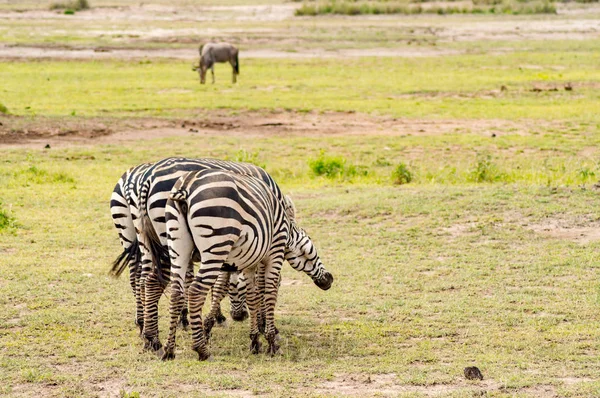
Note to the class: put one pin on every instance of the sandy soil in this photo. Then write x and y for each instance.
(137, 26)
(52, 52)
(23, 132)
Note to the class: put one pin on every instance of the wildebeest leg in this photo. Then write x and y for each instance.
(232, 62)
(212, 70)
(202, 73)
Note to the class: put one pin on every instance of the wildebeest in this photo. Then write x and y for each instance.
(217, 52)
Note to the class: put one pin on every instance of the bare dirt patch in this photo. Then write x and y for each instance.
(13, 52)
(387, 385)
(18, 131)
(581, 233)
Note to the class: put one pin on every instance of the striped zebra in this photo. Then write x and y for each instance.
(122, 218)
(124, 207)
(154, 193)
(237, 223)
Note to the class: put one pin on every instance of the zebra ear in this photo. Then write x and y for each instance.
(290, 209)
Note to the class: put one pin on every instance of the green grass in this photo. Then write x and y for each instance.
(73, 5)
(344, 7)
(430, 277)
(438, 87)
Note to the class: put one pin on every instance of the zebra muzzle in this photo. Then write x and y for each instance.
(325, 281)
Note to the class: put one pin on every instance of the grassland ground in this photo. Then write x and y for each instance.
(430, 278)
(487, 257)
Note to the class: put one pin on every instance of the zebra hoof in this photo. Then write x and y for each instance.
(140, 324)
(152, 344)
(275, 349)
(221, 319)
(203, 355)
(239, 316)
(168, 355)
(184, 324)
(255, 347)
(208, 325)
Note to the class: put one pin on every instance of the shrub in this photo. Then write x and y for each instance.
(73, 5)
(7, 221)
(327, 166)
(3, 109)
(485, 170)
(358, 7)
(401, 175)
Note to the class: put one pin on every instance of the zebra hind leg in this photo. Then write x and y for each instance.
(218, 292)
(253, 306)
(153, 291)
(184, 322)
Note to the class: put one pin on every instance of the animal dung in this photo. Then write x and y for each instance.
(473, 373)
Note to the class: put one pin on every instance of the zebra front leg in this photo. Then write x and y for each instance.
(254, 307)
(153, 291)
(218, 292)
(272, 276)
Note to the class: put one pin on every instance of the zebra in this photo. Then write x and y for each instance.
(123, 205)
(237, 223)
(123, 221)
(157, 183)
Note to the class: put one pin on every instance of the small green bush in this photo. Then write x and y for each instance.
(327, 166)
(401, 174)
(485, 170)
(336, 167)
(3, 109)
(7, 221)
(360, 7)
(71, 6)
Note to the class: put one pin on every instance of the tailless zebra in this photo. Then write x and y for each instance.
(158, 180)
(123, 206)
(236, 222)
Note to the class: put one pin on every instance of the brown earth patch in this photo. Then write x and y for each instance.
(131, 52)
(16, 131)
(387, 385)
(582, 233)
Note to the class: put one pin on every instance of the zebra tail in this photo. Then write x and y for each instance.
(160, 254)
(132, 253)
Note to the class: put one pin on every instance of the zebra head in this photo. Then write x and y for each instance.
(302, 254)
(237, 296)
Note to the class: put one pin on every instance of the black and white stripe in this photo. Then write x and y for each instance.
(236, 223)
(120, 209)
(158, 180)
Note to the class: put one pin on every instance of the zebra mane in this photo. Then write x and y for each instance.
(290, 209)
